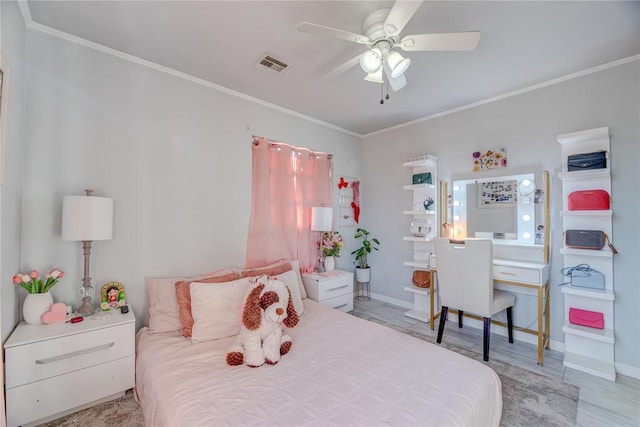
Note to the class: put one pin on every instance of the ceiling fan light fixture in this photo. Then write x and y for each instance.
(371, 61)
(375, 77)
(397, 64)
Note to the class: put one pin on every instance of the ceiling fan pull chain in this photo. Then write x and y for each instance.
(382, 91)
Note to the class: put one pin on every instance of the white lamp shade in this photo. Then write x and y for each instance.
(375, 77)
(87, 218)
(321, 218)
(398, 64)
(371, 60)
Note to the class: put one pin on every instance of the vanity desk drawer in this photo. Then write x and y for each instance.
(516, 274)
(520, 272)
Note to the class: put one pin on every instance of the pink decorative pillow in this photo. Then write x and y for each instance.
(183, 296)
(164, 313)
(271, 270)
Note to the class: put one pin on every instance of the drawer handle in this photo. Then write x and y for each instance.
(506, 273)
(74, 354)
(341, 305)
(336, 288)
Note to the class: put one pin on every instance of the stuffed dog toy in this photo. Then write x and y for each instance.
(267, 308)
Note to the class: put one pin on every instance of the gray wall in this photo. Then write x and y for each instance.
(13, 51)
(174, 155)
(527, 125)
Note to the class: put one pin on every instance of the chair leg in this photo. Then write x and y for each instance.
(510, 323)
(485, 338)
(443, 319)
(460, 314)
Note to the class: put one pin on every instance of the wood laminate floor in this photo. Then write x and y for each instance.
(601, 403)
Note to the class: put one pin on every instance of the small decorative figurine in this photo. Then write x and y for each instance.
(112, 296)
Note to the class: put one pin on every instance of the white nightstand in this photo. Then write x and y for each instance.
(52, 370)
(333, 288)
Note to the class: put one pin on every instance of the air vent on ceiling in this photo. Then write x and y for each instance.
(269, 62)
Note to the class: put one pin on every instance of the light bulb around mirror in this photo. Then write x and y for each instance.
(526, 235)
(526, 217)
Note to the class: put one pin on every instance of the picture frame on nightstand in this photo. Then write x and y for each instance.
(112, 296)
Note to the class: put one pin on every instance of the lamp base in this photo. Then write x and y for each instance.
(86, 309)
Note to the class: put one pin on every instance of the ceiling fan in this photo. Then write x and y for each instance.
(382, 30)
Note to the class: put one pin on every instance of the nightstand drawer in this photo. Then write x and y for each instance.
(47, 358)
(335, 287)
(342, 302)
(32, 402)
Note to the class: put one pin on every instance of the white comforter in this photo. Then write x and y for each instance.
(341, 370)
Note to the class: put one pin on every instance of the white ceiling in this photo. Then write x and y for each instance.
(522, 44)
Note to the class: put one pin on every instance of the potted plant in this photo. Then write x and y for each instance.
(363, 271)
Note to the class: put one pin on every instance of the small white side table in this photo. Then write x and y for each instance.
(57, 369)
(331, 288)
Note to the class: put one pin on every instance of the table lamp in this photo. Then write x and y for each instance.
(321, 218)
(84, 219)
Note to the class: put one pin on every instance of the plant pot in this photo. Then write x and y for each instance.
(363, 275)
(35, 305)
(329, 263)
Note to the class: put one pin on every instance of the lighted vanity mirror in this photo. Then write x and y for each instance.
(502, 208)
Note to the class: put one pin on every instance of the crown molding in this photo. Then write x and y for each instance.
(551, 82)
(137, 60)
(26, 14)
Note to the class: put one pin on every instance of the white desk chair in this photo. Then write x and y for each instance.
(465, 282)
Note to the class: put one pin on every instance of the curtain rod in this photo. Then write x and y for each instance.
(254, 142)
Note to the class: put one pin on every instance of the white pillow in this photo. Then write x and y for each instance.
(290, 278)
(295, 265)
(164, 314)
(217, 309)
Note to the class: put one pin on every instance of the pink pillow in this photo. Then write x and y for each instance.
(183, 296)
(164, 313)
(272, 269)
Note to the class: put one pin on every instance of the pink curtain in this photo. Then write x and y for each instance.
(287, 182)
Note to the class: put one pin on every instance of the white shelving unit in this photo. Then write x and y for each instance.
(587, 349)
(422, 241)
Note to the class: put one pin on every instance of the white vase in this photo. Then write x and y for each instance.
(35, 305)
(329, 263)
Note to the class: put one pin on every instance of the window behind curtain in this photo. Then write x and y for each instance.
(286, 183)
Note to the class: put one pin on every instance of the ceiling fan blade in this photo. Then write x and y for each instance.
(396, 83)
(399, 15)
(441, 41)
(308, 27)
(344, 67)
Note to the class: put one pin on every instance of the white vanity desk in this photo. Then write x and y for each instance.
(505, 208)
(515, 272)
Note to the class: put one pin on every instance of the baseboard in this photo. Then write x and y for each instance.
(394, 301)
(627, 370)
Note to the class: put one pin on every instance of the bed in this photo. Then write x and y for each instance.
(341, 370)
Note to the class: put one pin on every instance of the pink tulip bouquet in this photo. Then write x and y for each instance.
(34, 284)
